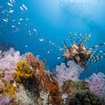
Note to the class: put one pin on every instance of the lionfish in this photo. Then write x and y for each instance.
(79, 53)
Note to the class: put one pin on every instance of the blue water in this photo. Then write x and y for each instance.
(53, 20)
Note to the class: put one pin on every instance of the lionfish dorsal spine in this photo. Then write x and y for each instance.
(63, 45)
(75, 37)
(66, 44)
(78, 38)
(71, 38)
(86, 39)
(82, 39)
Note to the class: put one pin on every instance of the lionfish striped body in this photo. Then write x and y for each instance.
(79, 53)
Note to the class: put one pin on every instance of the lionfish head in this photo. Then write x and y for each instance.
(66, 54)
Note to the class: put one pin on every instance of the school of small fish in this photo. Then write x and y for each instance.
(17, 22)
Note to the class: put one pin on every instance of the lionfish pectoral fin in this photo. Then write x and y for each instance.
(98, 45)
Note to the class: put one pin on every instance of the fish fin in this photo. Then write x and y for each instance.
(85, 39)
(98, 45)
(71, 38)
(63, 45)
(74, 37)
(66, 44)
(78, 38)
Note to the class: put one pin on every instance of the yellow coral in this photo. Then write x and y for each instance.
(23, 72)
(10, 90)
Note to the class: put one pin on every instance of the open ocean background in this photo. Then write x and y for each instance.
(38, 26)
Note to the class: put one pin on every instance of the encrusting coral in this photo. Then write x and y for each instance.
(8, 94)
(85, 98)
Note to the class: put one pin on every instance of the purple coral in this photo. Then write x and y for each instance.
(97, 84)
(71, 71)
(8, 61)
(5, 100)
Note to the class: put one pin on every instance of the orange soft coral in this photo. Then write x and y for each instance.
(47, 82)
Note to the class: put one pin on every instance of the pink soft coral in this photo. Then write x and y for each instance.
(97, 84)
(71, 71)
(8, 61)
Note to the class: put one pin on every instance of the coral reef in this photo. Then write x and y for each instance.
(26, 76)
(8, 61)
(7, 93)
(31, 74)
(24, 97)
(97, 84)
(69, 72)
(47, 83)
(24, 81)
(85, 98)
(70, 88)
